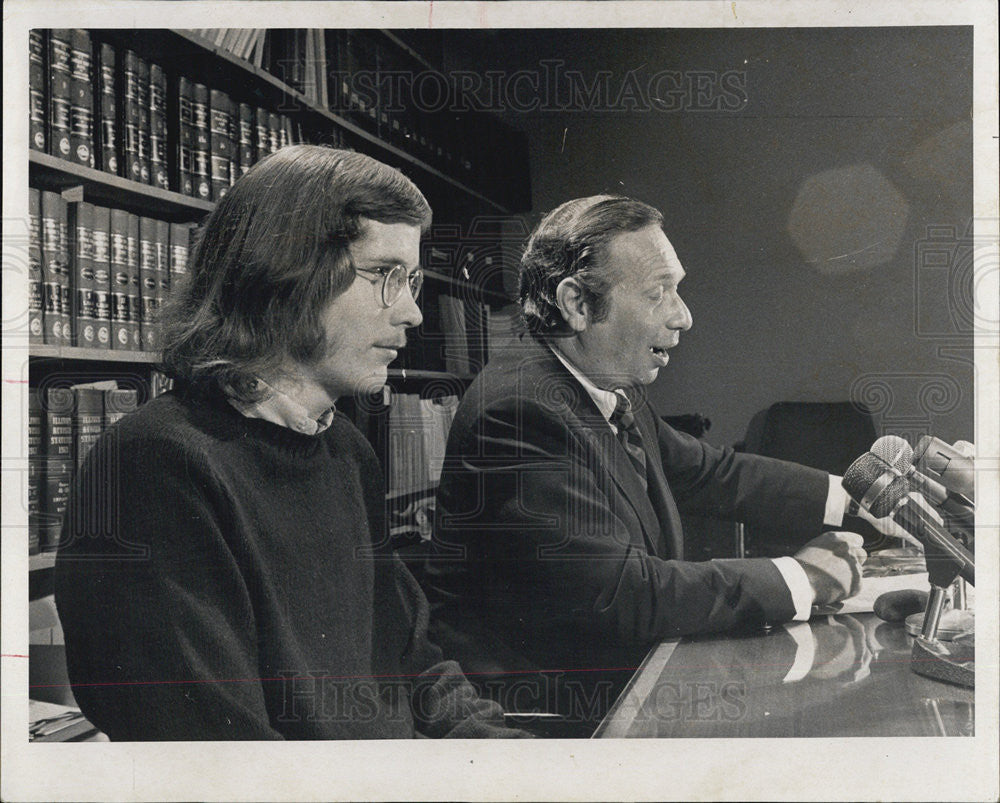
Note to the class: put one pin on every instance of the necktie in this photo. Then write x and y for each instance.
(629, 436)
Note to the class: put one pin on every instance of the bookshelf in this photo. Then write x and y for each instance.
(426, 147)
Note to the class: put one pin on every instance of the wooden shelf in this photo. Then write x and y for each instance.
(96, 355)
(52, 173)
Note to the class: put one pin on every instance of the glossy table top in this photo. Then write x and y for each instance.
(836, 675)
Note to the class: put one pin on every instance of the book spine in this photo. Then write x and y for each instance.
(262, 140)
(55, 266)
(36, 291)
(185, 136)
(37, 111)
(119, 280)
(148, 284)
(81, 99)
(201, 148)
(86, 304)
(130, 115)
(180, 237)
(273, 132)
(118, 403)
(107, 111)
(247, 151)
(162, 256)
(158, 127)
(88, 421)
(220, 145)
(58, 461)
(134, 292)
(143, 126)
(36, 472)
(101, 236)
(60, 93)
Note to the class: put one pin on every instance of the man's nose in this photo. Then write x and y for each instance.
(680, 317)
(406, 312)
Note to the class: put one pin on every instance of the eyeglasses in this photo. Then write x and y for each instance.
(394, 279)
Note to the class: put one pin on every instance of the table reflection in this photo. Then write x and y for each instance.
(836, 675)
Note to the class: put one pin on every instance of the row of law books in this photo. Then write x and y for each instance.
(63, 424)
(416, 438)
(386, 90)
(111, 109)
(458, 335)
(98, 276)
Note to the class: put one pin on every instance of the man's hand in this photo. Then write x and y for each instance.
(832, 563)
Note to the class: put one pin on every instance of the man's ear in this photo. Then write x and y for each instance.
(572, 305)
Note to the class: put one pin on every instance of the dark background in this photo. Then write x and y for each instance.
(803, 217)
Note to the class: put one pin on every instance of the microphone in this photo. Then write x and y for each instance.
(959, 512)
(884, 492)
(949, 465)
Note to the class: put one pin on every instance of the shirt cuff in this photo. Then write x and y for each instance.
(836, 503)
(798, 586)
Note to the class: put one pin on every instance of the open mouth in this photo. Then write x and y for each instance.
(658, 351)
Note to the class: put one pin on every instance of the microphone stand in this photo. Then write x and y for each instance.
(951, 661)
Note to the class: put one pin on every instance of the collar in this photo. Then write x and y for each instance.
(606, 400)
(281, 409)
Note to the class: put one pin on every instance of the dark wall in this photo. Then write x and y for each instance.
(811, 181)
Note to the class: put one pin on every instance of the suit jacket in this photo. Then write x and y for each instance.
(550, 554)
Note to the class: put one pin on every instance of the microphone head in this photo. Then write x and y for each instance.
(862, 473)
(893, 493)
(895, 451)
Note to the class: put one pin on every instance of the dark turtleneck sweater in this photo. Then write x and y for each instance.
(218, 579)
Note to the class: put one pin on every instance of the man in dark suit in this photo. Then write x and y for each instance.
(558, 542)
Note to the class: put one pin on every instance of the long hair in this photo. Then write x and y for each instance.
(271, 256)
(572, 240)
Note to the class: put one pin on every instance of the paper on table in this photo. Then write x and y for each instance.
(871, 589)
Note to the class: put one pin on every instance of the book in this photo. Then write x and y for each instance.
(57, 445)
(101, 242)
(35, 469)
(159, 176)
(406, 452)
(118, 403)
(37, 108)
(201, 174)
(59, 92)
(143, 130)
(36, 292)
(162, 258)
(129, 81)
(85, 317)
(185, 136)
(453, 328)
(149, 285)
(220, 144)
(246, 150)
(107, 110)
(55, 268)
(88, 420)
(180, 240)
(262, 139)
(81, 99)
(134, 292)
(119, 280)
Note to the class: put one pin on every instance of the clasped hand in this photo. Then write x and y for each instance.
(832, 563)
